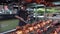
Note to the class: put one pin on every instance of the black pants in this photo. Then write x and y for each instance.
(21, 23)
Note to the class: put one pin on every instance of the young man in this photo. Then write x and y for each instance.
(22, 16)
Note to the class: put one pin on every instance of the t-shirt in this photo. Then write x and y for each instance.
(22, 14)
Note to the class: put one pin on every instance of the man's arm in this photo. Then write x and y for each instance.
(20, 18)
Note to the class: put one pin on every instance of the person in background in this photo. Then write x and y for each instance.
(22, 15)
(6, 10)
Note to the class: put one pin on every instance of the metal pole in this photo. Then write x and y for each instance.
(45, 12)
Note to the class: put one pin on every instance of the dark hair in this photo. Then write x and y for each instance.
(24, 5)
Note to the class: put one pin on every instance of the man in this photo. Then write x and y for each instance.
(22, 16)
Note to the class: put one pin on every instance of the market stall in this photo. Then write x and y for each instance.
(42, 21)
